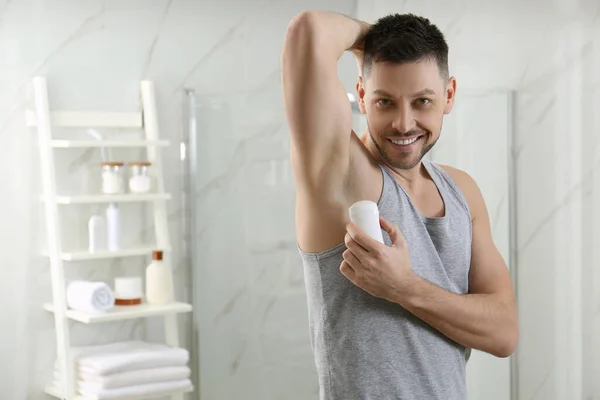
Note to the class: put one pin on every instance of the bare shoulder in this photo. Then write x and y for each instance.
(463, 179)
(469, 187)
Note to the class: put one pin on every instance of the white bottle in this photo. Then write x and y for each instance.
(365, 214)
(113, 227)
(159, 283)
(97, 233)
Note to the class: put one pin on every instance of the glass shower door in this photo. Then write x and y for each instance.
(251, 322)
(475, 138)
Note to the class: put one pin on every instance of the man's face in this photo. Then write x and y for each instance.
(405, 105)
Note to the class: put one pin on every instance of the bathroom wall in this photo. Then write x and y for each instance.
(94, 55)
(475, 139)
(558, 166)
(252, 320)
(549, 54)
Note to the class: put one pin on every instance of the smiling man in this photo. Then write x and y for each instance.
(394, 320)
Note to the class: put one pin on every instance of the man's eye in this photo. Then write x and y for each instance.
(423, 102)
(384, 102)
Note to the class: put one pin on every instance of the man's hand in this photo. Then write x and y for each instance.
(358, 48)
(359, 55)
(376, 268)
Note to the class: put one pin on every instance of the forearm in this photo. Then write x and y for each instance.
(481, 321)
(330, 33)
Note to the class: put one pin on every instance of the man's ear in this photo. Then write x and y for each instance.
(360, 91)
(450, 95)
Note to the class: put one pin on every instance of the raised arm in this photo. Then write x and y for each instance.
(316, 104)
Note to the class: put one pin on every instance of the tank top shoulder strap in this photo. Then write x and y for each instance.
(443, 180)
(389, 185)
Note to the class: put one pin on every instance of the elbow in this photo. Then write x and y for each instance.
(504, 350)
(300, 28)
(506, 344)
(299, 45)
(302, 21)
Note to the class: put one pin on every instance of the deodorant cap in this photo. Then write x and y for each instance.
(363, 206)
(365, 214)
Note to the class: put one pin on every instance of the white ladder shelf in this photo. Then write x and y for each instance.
(43, 119)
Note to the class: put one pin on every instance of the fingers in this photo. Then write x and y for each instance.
(394, 232)
(347, 271)
(356, 249)
(361, 237)
(351, 260)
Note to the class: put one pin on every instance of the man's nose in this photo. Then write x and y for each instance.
(404, 121)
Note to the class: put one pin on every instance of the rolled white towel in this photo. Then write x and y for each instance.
(95, 297)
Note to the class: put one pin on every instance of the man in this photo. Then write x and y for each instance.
(393, 320)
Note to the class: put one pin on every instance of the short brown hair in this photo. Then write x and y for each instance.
(401, 38)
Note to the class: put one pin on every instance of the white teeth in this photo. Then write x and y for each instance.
(405, 142)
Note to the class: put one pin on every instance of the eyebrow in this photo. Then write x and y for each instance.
(423, 92)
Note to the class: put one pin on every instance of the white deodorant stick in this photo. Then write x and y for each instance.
(365, 214)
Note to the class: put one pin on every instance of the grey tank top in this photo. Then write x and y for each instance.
(367, 348)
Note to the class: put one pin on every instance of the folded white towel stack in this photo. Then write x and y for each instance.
(95, 297)
(128, 369)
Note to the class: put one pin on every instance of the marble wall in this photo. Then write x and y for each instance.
(475, 139)
(558, 167)
(547, 53)
(94, 55)
(249, 284)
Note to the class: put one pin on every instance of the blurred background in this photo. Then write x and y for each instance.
(526, 126)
